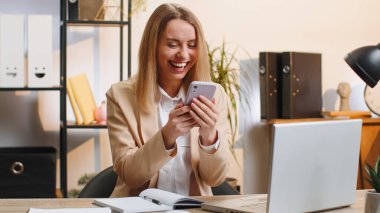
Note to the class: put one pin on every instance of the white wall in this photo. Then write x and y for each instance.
(331, 27)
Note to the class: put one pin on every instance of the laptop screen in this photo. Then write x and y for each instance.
(314, 165)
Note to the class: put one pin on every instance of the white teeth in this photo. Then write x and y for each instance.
(179, 65)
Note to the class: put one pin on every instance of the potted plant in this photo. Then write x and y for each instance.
(373, 197)
(222, 73)
(225, 70)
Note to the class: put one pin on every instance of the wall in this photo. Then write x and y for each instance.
(332, 28)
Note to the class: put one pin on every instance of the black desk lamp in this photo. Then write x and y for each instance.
(365, 61)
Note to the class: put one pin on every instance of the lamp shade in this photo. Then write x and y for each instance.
(365, 61)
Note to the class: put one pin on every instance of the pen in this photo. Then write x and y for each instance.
(152, 200)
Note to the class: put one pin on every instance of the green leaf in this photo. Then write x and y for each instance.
(377, 166)
(375, 178)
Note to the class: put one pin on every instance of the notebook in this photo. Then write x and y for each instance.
(314, 167)
(149, 200)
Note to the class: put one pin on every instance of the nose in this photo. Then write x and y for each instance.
(183, 53)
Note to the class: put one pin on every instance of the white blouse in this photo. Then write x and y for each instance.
(174, 176)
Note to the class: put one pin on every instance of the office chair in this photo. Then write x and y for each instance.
(102, 185)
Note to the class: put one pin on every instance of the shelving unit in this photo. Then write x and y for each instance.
(64, 125)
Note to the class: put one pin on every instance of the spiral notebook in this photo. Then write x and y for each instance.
(149, 200)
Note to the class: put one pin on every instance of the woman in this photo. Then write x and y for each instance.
(156, 141)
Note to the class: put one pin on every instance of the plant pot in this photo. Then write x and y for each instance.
(372, 202)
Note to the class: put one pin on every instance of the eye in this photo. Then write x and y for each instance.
(172, 44)
(192, 45)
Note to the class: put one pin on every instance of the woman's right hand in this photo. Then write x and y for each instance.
(179, 123)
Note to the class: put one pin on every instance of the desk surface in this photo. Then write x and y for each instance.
(22, 205)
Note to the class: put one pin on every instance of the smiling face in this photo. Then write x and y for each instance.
(177, 52)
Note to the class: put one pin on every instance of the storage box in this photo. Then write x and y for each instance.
(27, 172)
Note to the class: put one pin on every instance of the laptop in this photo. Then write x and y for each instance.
(313, 167)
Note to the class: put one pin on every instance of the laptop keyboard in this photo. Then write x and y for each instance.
(255, 204)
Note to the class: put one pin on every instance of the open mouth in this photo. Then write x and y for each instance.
(179, 64)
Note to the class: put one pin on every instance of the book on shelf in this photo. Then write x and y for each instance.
(74, 105)
(149, 200)
(82, 99)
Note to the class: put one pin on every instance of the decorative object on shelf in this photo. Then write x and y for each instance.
(12, 47)
(372, 203)
(83, 96)
(372, 98)
(84, 9)
(344, 92)
(111, 9)
(101, 114)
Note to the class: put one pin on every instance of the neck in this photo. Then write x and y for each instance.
(171, 88)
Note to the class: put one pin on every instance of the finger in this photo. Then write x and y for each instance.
(185, 127)
(208, 103)
(180, 110)
(209, 119)
(189, 123)
(183, 118)
(179, 105)
(199, 120)
(204, 110)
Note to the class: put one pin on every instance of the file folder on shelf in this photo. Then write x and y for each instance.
(301, 85)
(40, 50)
(12, 51)
(270, 85)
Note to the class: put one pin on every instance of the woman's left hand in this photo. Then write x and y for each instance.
(205, 114)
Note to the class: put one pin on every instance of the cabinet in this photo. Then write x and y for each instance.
(369, 148)
(65, 24)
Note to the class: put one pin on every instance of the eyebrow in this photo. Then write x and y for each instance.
(176, 40)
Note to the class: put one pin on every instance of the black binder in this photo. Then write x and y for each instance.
(301, 85)
(270, 85)
(73, 9)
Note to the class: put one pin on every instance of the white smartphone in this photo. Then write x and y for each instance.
(197, 88)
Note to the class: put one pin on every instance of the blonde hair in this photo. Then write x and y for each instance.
(146, 85)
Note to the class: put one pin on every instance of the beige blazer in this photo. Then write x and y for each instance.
(138, 150)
